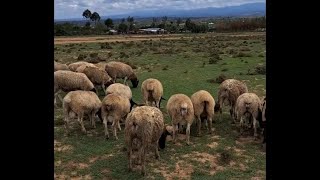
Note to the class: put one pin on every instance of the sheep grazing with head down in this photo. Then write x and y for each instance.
(203, 105)
(101, 65)
(60, 66)
(229, 91)
(73, 66)
(152, 92)
(71, 81)
(123, 71)
(114, 108)
(121, 90)
(81, 103)
(180, 110)
(247, 108)
(98, 77)
(84, 66)
(144, 126)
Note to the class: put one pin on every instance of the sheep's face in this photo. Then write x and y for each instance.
(184, 109)
(134, 82)
(224, 93)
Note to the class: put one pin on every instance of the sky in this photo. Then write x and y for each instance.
(65, 9)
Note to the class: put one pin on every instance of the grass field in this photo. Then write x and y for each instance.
(183, 65)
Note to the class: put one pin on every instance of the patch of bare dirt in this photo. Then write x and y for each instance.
(85, 177)
(73, 165)
(213, 145)
(205, 158)
(93, 159)
(182, 170)
(60, 147)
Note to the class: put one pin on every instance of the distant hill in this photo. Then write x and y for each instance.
(252, 9)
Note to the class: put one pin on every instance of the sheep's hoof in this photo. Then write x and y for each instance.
(188, 143)
(84, 131)
(130, 169)
(143, 173)
(107, 137)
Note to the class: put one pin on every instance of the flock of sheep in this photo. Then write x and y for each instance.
(144, 124)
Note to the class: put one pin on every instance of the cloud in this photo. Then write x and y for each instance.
(74, 8)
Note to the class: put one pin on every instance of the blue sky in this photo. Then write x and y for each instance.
(64, 9)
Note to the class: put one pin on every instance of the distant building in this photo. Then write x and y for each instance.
(152, 31)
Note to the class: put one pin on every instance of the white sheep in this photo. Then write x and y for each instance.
(121, 70)
(203, 105)
(180, 110)
(121, 90)
(152, 92)
(73, 66)
(60, 66)
(84, 66)
(71, 81)
(229, 91)
(81, 103)
(98, 77)
(114, 108)
(144, 126)
(248, 106)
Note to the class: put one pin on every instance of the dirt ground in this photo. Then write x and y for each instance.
(122, 38)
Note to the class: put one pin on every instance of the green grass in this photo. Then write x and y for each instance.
(181, 70)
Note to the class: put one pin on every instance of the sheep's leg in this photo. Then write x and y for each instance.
(119, 127)
(156, 148)
(60, 98)
(114, 127)
(175, 127)
(143, 159)
(188, 133)
(93, 123)
(125, 81)
(199, 126)
(210, 125)
(130, 156)
(241, 125)
(104, 89)
(105, 122)
(80, 120)
(66, 121)
(255, 127)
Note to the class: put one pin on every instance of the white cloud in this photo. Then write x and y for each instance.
(74, 8)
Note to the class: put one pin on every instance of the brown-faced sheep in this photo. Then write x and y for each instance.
(121, 70)
(114, 108)
(98, 77)
(144, 126)
(71, 81)
(180, 110)
(203, 105)
(81, 103)
(247, 107)
(60, 66)
(73, 66)
(152, 92)
(229, 91)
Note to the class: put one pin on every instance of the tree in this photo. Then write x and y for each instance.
(189, 24)
(122, 28)
(86, 13)
(95, 17)
(164, 21)
(179, 21)
(109, 23)
(154, 22)
(130, 20)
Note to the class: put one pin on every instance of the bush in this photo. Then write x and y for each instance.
(260, 69)
(82, 57)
